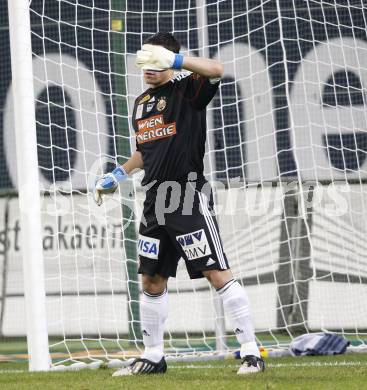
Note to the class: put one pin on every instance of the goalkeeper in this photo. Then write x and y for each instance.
(169, 120)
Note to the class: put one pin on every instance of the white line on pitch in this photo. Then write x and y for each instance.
(277, 365)
(13, 371)
(269, 365)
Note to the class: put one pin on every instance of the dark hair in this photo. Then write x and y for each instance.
(166, 40)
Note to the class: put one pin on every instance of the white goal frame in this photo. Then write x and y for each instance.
(29, 194)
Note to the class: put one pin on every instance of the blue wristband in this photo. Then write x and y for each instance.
(119, 174)
(177, 63)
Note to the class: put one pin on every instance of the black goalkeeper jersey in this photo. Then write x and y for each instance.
(170, 127)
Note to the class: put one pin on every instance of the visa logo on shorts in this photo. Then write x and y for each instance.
(194, 244)
(148, 247)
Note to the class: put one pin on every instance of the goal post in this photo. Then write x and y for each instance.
(28, 185)
(124, 150)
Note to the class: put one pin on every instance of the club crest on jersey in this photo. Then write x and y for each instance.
(162, 102)
(150, 106)
(148, 247)
(194, 244)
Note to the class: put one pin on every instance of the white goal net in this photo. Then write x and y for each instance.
(286, 152)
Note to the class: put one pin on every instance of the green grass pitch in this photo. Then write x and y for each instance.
(334, 372)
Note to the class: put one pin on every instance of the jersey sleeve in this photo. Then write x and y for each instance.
(199, 90)
(133, 121)
(137, 145)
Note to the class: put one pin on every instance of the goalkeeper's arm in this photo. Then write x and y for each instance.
(108, 183)
(203, 66)
(158, 58)
(134, 162)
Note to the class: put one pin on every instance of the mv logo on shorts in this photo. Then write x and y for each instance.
(148, 247)
(195, 244)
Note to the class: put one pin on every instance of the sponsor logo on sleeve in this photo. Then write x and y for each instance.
(194, 244)
(154, 128)
(148, 247)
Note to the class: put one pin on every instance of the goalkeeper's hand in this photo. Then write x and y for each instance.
(158, 58)
(108, 183)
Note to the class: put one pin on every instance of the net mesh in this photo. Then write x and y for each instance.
(286, 152)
